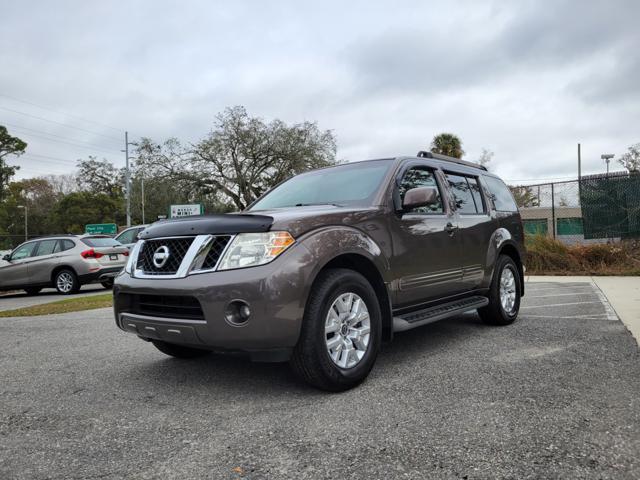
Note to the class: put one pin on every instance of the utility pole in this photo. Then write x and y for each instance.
(127, 177)
(142, 184)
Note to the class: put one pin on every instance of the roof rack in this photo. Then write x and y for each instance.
(437, 156)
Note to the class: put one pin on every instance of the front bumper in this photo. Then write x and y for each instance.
(276, 294)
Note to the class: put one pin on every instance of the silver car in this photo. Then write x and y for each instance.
(64, 262)
(129, 237)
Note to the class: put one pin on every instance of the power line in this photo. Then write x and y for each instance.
(40, 132)
(75, 144)
(60, 112)
(59, 123)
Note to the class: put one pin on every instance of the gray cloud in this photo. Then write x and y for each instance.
(525, 79)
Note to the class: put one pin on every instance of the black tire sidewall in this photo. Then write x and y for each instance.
(347, 282)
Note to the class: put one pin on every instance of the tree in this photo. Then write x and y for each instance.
(447, 144)
(242, 157)
(77, 209)
(631, 159)
(525, 197)
(9, 145)
(100, 176)
(485, 157)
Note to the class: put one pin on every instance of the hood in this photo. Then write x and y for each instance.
(295, 220)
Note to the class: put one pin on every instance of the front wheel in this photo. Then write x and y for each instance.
(32, 290)
(341, 332)
(504, 294)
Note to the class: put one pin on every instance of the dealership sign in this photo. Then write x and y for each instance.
(177, 211)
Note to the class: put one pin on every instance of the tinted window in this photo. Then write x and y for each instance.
(128, 236)
(477, 195)
(420, 177)
(462, 194)
(100, 242)
(500, 194)
(23, 251)
(66, 245)
(46, 247)
(350, 184)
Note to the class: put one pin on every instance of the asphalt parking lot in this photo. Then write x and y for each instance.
(556, 395)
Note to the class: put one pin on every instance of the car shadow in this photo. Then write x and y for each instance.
(50, 292)
(225, 373)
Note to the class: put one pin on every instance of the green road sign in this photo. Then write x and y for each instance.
(101, 228)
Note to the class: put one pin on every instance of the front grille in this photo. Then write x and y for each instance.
(177, 249)
(166, 306)
(217, 247)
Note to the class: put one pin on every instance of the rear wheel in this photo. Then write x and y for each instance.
(66, 282)
(179, 351)
(504, 294)
(341, 332)
(32, 290)
(108, 284)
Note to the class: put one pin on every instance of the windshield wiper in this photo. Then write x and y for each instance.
(317, 204)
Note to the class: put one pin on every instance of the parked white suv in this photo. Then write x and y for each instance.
(64, 262)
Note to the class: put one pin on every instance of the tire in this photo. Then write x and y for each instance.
(495, 313)
(33, 290)
(66, 282)
(107, 284)
(179, 351)
(312, 359)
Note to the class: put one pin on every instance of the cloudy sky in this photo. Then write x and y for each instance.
(525, 79)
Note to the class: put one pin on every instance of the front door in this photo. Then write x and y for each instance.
(16, 272)
(426, 248)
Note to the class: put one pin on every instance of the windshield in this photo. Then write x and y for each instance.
(350, 184)
(100, 242)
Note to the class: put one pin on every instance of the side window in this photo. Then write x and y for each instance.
(500, 194)
(24, 251)
(420, 177)
(127, 236)
(463, 195)
(67, 245)
(477, 195)
(46, 247)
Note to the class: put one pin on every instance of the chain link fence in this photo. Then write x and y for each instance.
(595, 209)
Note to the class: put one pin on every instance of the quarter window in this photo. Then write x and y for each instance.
(500, 194)
(420, 177)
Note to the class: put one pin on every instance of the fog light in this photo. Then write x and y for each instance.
(237, 313)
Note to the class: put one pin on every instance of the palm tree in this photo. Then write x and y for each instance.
(447, 144)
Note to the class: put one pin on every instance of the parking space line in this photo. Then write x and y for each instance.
(559, 294)
(559, 305)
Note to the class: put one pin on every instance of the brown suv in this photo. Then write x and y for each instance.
(328, 264)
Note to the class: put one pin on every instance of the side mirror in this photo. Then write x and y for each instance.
(420, 197)
(6, 257)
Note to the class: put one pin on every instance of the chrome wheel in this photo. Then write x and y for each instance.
(508, 290)
(64, 282)
(347, 330)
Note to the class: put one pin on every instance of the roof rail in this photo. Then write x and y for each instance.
(437, 156)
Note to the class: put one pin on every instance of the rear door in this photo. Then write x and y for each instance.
(475, 226)
(16, 271)
(45, 258)
(426, 252)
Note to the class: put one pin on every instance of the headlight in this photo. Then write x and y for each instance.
(133, 256)
(253, 249)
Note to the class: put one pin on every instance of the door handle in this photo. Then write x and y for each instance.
(450, 228)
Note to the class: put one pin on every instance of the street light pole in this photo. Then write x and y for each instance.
(26, 215)
(607, 158)
(142, 184)
(127, 177)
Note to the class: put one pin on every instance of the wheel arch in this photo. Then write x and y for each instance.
(511, 251)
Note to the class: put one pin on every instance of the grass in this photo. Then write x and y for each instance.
(62, 306)
(546, 256)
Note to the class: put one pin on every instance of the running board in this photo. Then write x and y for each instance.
(439, 312)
